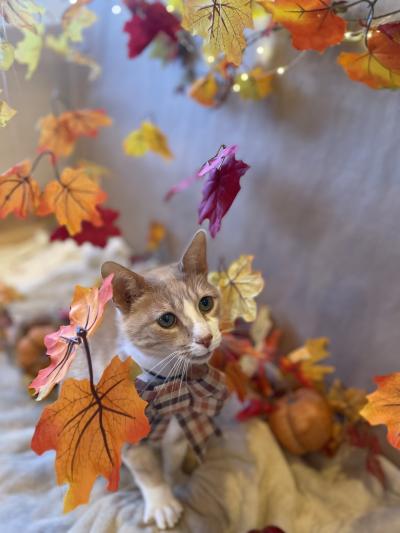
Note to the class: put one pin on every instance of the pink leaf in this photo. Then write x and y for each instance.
(220, 188)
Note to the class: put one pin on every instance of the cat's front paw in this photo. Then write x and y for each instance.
(161, 507)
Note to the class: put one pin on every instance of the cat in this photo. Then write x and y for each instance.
(168, 320)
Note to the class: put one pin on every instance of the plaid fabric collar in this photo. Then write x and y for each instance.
(194, 403)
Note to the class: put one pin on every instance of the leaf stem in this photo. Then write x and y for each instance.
(53, 161)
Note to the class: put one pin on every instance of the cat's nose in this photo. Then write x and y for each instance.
(205, 341)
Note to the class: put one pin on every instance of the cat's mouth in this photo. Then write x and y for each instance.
(197, 359)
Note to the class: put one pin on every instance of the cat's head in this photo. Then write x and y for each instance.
(170, 309)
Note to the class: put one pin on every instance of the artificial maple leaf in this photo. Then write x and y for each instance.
(87, 428)
(59, 133)
(147, 138)
(221, 188)
(6, 113)
(55, 136)
(29, 50)
(307, 358)
(73, 198)
(86, 312)
(346, 401)
(21, 13)
(85, 122)
(75, 19)
(255, 85)
(148, 22)
(379, 65)
(313, 24)
(215, 162)
(98, 236)
(204, 90)
(19, 192)
(383, 406)
(238, 287)
(156, 235)
(221, 24)
(6, 55)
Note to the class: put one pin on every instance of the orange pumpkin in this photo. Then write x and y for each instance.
(302, 421)
(31, 351)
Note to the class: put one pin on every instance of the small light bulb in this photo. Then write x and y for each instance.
(244, 76)
(348, 35)
(280, 71)
(369, 34)
(236, 87)
(116, 9)
(260, 50)
(210, 59)
(170, 8)
(72, 2)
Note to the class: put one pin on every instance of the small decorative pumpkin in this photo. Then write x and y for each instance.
(31, 351)
(302, 421)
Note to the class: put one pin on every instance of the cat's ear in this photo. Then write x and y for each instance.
(127, 285)
(194, 260)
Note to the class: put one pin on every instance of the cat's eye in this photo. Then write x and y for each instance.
(167, 320)
(206, 304)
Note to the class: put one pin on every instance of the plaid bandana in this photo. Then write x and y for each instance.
(193, 402)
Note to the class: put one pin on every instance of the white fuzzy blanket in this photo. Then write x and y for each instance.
(245, 482)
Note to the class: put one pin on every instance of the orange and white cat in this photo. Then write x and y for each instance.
(167, 319)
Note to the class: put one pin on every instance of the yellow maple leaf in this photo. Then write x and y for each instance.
(6, 55)
(6, 113)
(238, 287)
(314, 351)
(75, 19)
(29, 50)
(221, 24)
(147, 138)
(255, 84)
(204, 90)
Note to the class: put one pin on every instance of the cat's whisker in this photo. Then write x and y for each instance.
(166, 360)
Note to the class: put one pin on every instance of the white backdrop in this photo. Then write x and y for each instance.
(320, 207)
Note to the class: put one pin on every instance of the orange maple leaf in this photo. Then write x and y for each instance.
(379, 65)
(19, 192)
(87, 427)
(383, 406)
(59, 134)
(55, 136)
(73, 198)
(313, 24)
(85, 122)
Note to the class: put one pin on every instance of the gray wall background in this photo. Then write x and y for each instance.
(319, 209)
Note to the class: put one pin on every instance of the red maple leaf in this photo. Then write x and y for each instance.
(220, 189)
(147, 22)
(98, 236)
